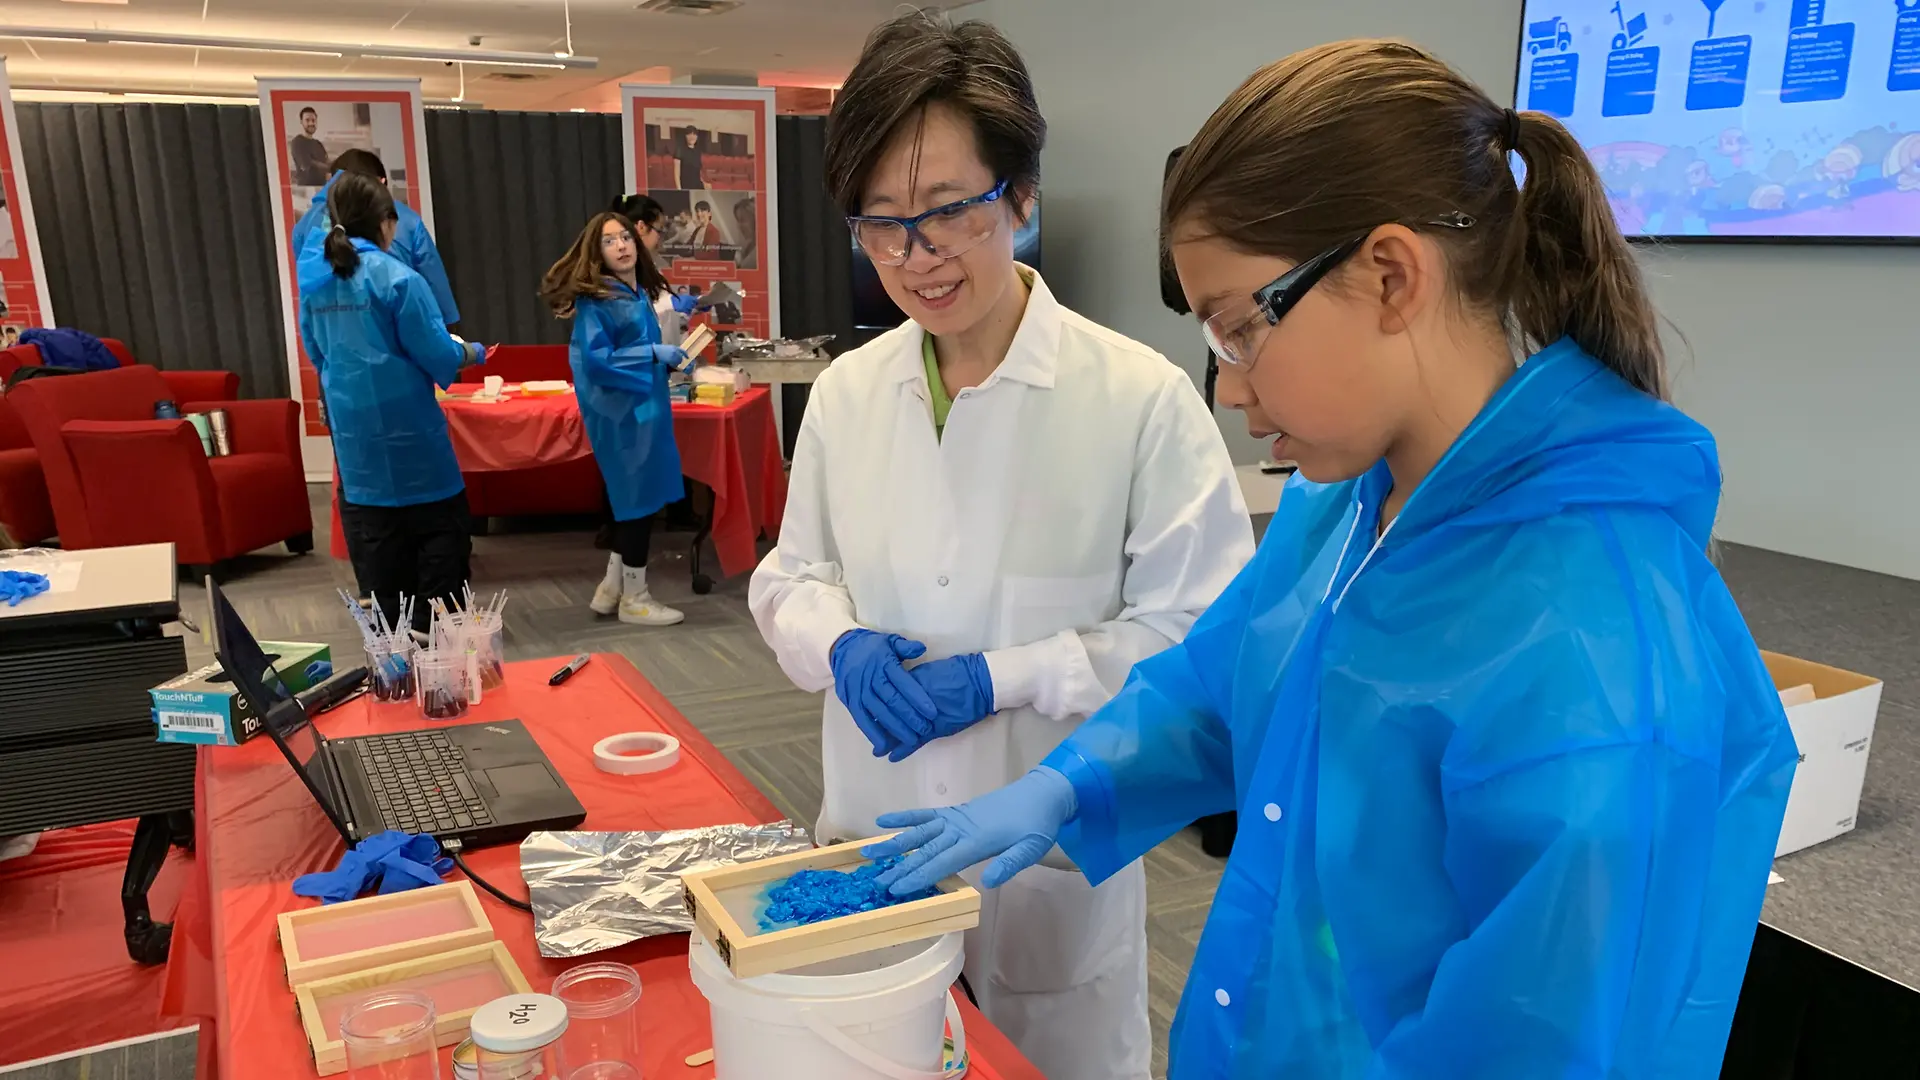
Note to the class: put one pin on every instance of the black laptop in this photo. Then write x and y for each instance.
(477, 784)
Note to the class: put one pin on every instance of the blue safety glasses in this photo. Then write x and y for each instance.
(946, 231)
(1236, 333)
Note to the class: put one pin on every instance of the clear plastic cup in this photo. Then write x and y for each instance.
(440, 684)
(389, 674)
(602, 1040)
(391, 1037)
(486, 633)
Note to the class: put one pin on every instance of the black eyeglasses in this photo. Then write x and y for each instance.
(1236, 333)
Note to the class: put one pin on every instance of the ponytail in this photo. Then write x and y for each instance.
(360, 208)
(1574, 274)
(1337, 140)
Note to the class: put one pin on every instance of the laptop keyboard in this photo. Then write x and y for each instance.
(420, 782)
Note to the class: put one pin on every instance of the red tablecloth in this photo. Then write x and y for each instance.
(259, 829)
(734, 450)
(68, 983)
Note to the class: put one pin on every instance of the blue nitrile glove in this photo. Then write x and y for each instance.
(673, 356)
(888, 707)
(473, 353)
(18, 585)
(685, 304)
(318, 672)
(962, 691)
(1015, 827)
(399, 860)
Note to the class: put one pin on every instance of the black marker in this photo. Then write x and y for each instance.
(566, 673)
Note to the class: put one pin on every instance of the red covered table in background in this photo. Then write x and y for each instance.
(734, 450)
(258, 829)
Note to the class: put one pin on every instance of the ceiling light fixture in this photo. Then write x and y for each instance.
(329, 49)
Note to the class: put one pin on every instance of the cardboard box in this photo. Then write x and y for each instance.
(1834, 732)
(204, 707)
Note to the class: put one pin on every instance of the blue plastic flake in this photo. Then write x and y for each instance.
(812, 896)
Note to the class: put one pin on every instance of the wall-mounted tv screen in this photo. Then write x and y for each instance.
(873, 309)
(1780, 120)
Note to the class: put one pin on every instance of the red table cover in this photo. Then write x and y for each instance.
(732, 449)
(258, 829)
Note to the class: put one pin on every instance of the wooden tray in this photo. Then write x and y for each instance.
(467, 978)
(721, 899)
(379, 920)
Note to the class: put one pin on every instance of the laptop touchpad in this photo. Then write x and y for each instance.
(532, 778)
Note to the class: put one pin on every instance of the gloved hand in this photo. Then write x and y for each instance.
(685, 304)
(1015, 827)
(472, 353)
(962, 691)
(673, 356)
(400, 860)
(888, 707)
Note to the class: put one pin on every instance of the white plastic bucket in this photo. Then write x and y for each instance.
(880, 1015)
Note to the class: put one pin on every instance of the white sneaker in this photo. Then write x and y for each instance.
(606, 595)
(637, 605)
(644, 610)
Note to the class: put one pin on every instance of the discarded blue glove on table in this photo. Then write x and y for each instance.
(962, 691)
(1014, 826)
(888, 707)
(398, 861)
(318, 672)
(18, 585)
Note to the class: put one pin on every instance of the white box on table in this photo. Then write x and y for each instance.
(1834, 732)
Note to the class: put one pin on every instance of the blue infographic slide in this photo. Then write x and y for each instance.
(1739, 118)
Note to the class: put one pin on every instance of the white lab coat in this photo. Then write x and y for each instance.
(1080, 512)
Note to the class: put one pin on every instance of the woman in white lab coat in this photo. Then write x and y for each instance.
(1022, 501)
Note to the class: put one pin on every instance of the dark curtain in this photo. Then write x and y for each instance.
(154, 229)
(816, 254)
(510, 191)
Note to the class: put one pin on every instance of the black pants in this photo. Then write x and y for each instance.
(422, 550)
(633, 540)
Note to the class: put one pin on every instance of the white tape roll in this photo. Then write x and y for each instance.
(636, 752)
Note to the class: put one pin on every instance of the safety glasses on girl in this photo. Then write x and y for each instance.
(946, 231)
(1236, 332)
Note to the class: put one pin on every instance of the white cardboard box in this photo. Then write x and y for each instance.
(1834, 732)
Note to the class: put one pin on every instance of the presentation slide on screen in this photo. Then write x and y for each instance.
(1738, 118)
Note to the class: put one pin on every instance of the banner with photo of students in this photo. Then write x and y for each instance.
(23, 279)
(307, 123)
(706, 154)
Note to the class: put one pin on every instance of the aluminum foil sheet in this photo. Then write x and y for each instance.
(596, 890)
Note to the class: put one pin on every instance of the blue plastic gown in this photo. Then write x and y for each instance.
(1509, 781)
(623, 399)
(412, 244)
(380, 347)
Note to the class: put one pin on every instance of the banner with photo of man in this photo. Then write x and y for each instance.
(706, 154)
(307, 123)
(23, 278)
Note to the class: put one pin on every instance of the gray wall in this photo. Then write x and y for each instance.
(1807, 374)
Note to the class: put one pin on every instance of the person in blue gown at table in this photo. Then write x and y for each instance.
(608, 283)
(1509, 767)
(373, 331)
(412, 243)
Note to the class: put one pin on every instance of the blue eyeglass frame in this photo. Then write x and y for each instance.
(912, 224)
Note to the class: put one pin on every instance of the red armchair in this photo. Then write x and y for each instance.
(117, 476)
(24, 508)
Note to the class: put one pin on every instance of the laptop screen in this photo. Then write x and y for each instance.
(252, 673)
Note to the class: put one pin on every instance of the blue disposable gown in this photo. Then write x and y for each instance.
(623, 399)
(380, 347)
(412, 244)
(1509, 780)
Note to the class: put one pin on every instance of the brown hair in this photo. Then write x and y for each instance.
(358, 207)
(581, 271)
(918, 60)
(1336, 140)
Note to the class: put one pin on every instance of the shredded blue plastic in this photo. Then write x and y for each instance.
(812, 896)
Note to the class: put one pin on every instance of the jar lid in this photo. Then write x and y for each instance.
(518, 1022)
